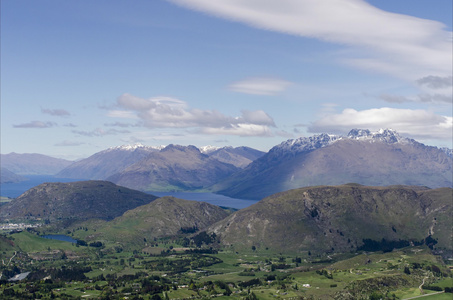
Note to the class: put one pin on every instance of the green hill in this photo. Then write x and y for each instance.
(161, 218)
(339, 218)
(80, 200)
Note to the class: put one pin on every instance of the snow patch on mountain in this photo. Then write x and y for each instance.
(304, 144)
(208, 149)
(135, 147)
(388, 136)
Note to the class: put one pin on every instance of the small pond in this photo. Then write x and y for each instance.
(59, 237)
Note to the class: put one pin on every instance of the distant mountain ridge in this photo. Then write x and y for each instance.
(108, 162)
(6, 176)
(32, 163)
(114, 162)
(174, 168)
(370, 158)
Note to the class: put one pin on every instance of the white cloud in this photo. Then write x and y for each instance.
(165, 112)
(260, 86)
(397, 44)
(415, 123)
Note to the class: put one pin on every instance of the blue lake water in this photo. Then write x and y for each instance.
(59, 237)
(14, 190)
(210, 198)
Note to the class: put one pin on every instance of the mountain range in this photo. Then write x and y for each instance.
(108, 162)
(370, 158)
(32, 164)
(380, 158)
(163, 168)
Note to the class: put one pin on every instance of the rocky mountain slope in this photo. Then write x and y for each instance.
(339, 218)
(174, 168)
(6, 176)
(112, 162)
(103, 164)
(239, 156)
(32, 163)
(380, 158)
(80, 200)
(160, 218)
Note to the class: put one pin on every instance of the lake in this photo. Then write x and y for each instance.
(216, 199)
(59, 237)
(14, 190)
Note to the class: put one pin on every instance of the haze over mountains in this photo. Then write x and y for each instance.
(381, 158)
(32, 163)
(369, 158)
(162, 168)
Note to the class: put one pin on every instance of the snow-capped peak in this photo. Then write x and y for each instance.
(135, 147)
(384, 135)
(306, 143)
(303, 144)
(208, 149)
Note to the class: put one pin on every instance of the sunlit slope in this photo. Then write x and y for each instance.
(339, 218)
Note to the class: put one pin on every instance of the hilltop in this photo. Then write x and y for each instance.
(73, 201)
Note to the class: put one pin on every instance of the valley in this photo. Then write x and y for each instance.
(168, 270)
(367, 216)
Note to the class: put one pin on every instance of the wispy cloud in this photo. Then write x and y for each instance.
(427, 98)
(121, 124)
(260, 86)
(166, 112)
(98, 132)
(69, 144)
(416, 123)
(396, 44)
(436, 82)
(36, 124)
(55, 112)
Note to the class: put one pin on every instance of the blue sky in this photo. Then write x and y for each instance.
(80, 76)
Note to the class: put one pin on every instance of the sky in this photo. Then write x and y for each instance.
(80, 76)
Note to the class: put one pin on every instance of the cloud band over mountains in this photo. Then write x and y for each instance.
(418, 123)
(166, 112)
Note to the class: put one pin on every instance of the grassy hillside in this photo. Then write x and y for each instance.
(339, 218)
(163, 217)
